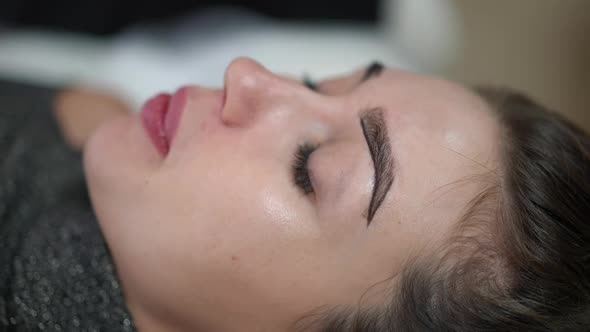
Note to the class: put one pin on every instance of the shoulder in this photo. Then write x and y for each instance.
(25, 109)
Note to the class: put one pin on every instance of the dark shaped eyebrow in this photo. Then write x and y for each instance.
(375, 133)
(373, 70)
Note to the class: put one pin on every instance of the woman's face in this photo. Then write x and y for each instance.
(217, 235)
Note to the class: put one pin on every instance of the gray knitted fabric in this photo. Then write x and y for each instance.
(56, 272)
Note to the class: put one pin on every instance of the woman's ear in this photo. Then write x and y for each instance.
(79, 111)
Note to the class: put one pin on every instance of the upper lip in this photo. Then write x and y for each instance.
(173, 114)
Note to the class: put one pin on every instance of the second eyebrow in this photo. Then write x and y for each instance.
(375, 132)
(373, 70)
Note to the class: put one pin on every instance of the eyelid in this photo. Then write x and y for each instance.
(313, 172)
(312, 164)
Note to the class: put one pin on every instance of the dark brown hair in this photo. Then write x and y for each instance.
(519, 260)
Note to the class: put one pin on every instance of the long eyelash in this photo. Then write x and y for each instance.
(308, 82)
(301, 176)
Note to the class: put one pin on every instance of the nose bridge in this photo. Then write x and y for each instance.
(250, 89)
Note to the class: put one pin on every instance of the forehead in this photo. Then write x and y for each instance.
(451, 113)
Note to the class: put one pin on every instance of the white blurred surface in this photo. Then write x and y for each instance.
(196, 49)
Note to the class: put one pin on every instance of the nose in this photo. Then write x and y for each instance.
(251, 91)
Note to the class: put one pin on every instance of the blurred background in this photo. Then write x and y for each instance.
(132, 49)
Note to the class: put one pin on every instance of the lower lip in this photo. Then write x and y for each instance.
(161, 118)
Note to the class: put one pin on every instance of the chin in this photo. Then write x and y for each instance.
(99, 154)
(111, 164)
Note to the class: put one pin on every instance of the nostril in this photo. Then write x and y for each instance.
(223, 97)
(231, 113)
(226, 118)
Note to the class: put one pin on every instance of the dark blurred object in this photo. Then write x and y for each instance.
(109, 16)
(17, 95)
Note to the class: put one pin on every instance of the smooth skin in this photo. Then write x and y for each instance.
(216, 236)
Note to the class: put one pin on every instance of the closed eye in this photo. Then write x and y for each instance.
(301, 177)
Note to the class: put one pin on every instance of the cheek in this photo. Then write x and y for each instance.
(230, 234)
(214, 209)
(241, 200)
(204, 229)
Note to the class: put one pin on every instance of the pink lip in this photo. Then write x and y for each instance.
(161, 117)
(153, 114)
